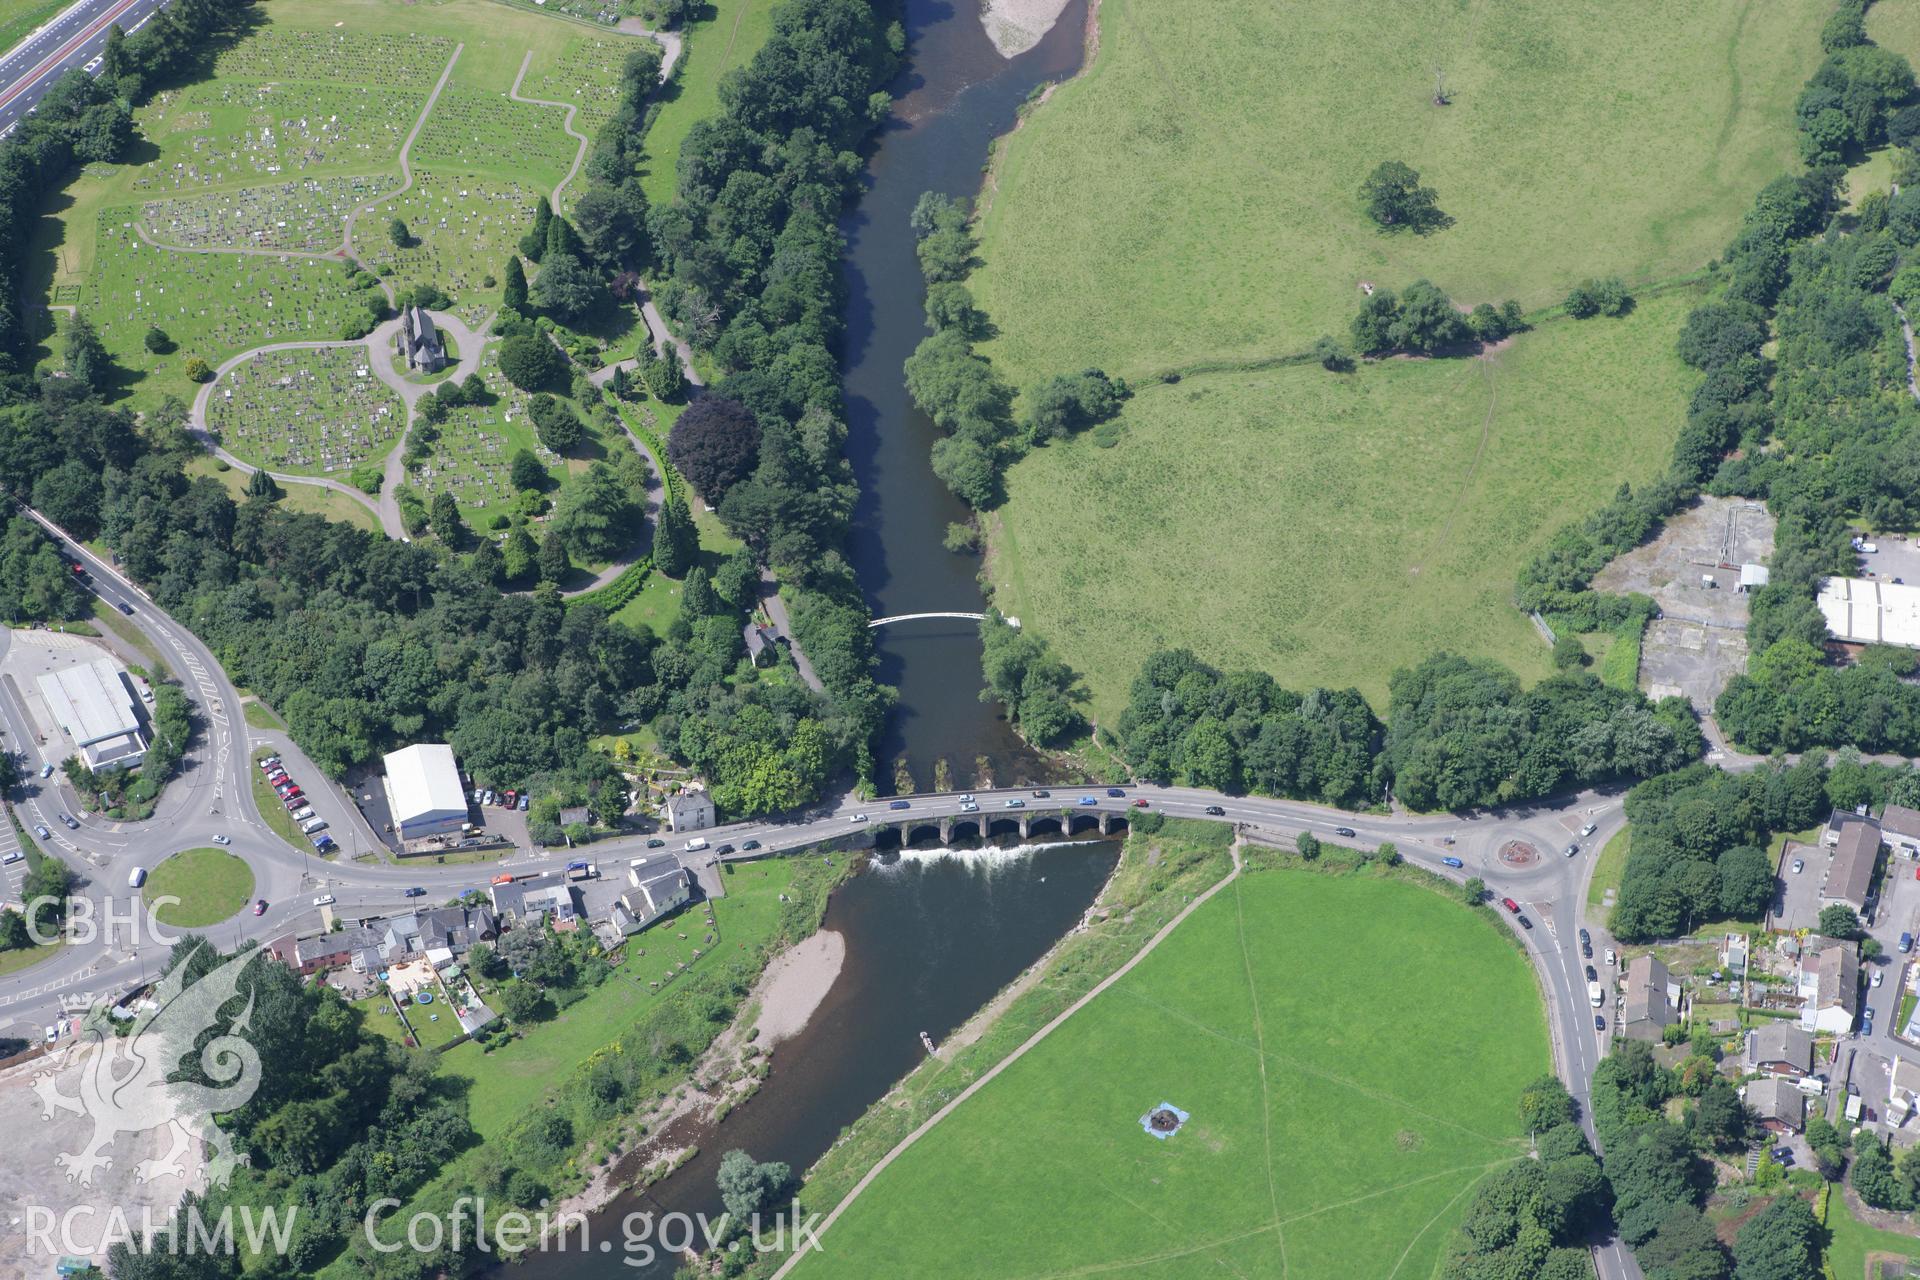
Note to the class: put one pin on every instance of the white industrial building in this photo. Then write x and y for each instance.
(95, 707)
(1872, 611)
(424, 792)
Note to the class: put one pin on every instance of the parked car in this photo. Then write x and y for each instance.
(1524, 922)
(900, 804)
(1116, 793)
(486, 797)
(1799, 865)
(415, 892)
(11, 858)
(1906, 943)
(526, 797)
(1878, 975)
(1453, 862)
(1592, 975)
(1510, 905)
(321, 840)
(1611, 959)
(1585, 936)
(1586, 949)
(223, 839)
(513, 798)
(259, 906)
(1348, 832)
(1599, 1022)
(324, 900)
(270, 762)
(72, 823)
(303, 813)
(1215, 811)
(1087, 802)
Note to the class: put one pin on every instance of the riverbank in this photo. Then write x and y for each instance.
(1016, 26)
(795, 984)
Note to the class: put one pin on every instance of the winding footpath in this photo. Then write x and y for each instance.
(566, 124)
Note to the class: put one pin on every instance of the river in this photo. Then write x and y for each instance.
(956, 96)
(929, 939)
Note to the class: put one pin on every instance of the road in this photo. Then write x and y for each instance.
(73, 39)
(213, 796)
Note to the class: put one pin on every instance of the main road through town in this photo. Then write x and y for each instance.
(73, 39)
(1519, 852)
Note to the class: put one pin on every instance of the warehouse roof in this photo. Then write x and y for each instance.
(422, 780)
(1872, 611)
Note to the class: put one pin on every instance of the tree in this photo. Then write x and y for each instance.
(747, 1186)
(86, 358)
(1473, 891)
(1839, 920)
(198, 370)
(553, 562)
(612, 221)
(561, 239)
(676, 543)
(1873, 1176)
(523, 1001)
(555, 422)
(157, 341)
(714, 445)
(398, 233)
(1546, 1103)
(1781, 1242)
(1333, 356)
(533, 245)
(531, 362)
(1427, 320)
(1308, 844)
(260, 485)
(1720, 1119)
(566, 287)
(595, 515)
(1746, 882)
(513, 294)
(1684, 1247)
(519, 554)
(1393, 198)
(525, 472)
(1599, 297)
(663, 376)
(444, 516)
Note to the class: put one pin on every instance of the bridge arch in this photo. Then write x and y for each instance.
(916, 617)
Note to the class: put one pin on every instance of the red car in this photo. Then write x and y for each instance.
(1510, 905)
(1140, 804)
(260, 907)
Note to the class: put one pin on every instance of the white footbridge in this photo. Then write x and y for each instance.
(916, 617)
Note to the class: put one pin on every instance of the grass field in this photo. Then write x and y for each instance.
(1341, 1112)
(714, 45)
(1331, 528)
(1850, 1240)
(1193, 196)
(308, 498)
(210, 883)
(20, 18)
(1609, 868)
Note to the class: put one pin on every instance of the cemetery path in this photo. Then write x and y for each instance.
(406, 164)
(668, 40)
(579, 152)
(656, 494)
(663, 341)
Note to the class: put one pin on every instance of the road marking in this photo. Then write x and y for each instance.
(53, 59)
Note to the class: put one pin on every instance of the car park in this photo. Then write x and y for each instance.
(1453, 862)
(1215, 811)
(223, 839)
(1347, 832)
(900, 804)
(1087, 802)
(40, 829)
(72, 823)
(324, 900)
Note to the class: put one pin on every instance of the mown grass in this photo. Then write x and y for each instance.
(210, 883)
(1330, 528)
(1850, 1240)
(715, 45)
(1193, 195)
(272, 811)
(1609, 868)
(1341, 1114)
(307, 498)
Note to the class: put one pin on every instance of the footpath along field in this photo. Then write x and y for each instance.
(1340, 1113)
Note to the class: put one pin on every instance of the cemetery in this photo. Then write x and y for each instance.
(463, 228)
(469, 131)
(306, 411)
(307, 216)
(221, 133)
(471, 451)
(396, 60)
(587, 75)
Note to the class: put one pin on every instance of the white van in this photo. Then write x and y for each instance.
(1596, 994)
(137, 878)
(696, 844)
(317, 824)
(304, 812)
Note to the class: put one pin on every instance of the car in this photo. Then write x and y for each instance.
(1588, 830)
(968, 806)
(513, 798)
(1611, 959)
(1592, 976)
(1572, 849)
(136, 877)
(40, 829)
(1087, 802)
(1585, 936)
(1042, 794)
(900, 804)
(1586, 950)
(1799, 865)
(1116, 793)
(1510, 905)
(1524, 922)
(53, 1032)
(259, 906)
(526, 798)
(303, 813)
(324, 900)
(1599, 1022)
(1453, 862)
(1215, 811)
(725, 848)
(12, 857)
(294, 801)
(505, 877)
(857, 818)
(656, 844)
(46, 771)
(415, 892)
(748, 846)
(1878, 975)
(223, 839)
(1782, 1155)
(1348, 832)
(324, 843)
(486, 797)
(1016, 804)
(967, 798)
(126, 608)
(1139, 802)
(72, 823)
(270, 762)
(1906, 943)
